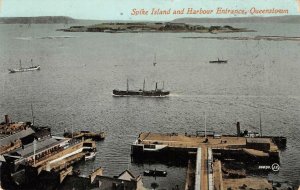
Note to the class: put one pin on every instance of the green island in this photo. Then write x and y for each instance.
(136, 27)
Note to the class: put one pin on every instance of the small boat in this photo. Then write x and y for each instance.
(142, 92)
(155, 173)
(25, 69)
(219, 61)
(90, 156)
(76, 172)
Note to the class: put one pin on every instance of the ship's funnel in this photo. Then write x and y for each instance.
(6, 119)
(238, 129)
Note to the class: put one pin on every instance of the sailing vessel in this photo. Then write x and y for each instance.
(25, 69)
(218, 61)
(142, 92)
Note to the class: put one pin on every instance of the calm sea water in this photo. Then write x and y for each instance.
(78, 74)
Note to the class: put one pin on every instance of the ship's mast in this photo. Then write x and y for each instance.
(156, 86)
(163, 87)
(34, 149)
(127, 86)
(144, 85)
(260, 127)
(32, 115)
(31, 62)
(20, 64)
(154, 61)
(205, 124)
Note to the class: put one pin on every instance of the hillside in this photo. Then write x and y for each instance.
(37, 20)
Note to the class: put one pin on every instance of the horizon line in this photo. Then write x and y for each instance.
(234, 17)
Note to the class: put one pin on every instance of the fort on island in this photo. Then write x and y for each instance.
(136, 27)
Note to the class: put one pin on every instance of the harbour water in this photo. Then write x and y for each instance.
(80, 70)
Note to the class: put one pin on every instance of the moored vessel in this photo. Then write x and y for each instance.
(90, 155)
(96, 136)
(155, 173)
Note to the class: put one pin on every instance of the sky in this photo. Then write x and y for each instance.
(122, 9)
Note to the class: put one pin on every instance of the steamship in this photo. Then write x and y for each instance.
(142, 92)
(219, 61)
(25, 69)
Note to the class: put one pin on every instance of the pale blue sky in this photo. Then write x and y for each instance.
(121, 9)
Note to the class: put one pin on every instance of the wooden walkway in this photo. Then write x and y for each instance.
(204, 169)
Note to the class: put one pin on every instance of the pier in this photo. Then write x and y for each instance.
(193, 141)
(86, 135)
(209, 151)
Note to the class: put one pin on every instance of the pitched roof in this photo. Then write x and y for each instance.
(2, 159)
(40, 146)
(16, 136)
(128, 172)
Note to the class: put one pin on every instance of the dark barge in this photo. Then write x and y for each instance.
(155, 173)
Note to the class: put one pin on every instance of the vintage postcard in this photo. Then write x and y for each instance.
(150, 94)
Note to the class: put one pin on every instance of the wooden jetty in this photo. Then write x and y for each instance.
(86, 135)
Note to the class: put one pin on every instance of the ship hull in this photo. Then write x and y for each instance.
(220, 61)
(155, 173)
(141, 93)
(24, 69)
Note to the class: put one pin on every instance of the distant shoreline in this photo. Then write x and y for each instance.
(138, 27)
(69, 20)
(269, 38)
(37, 20)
